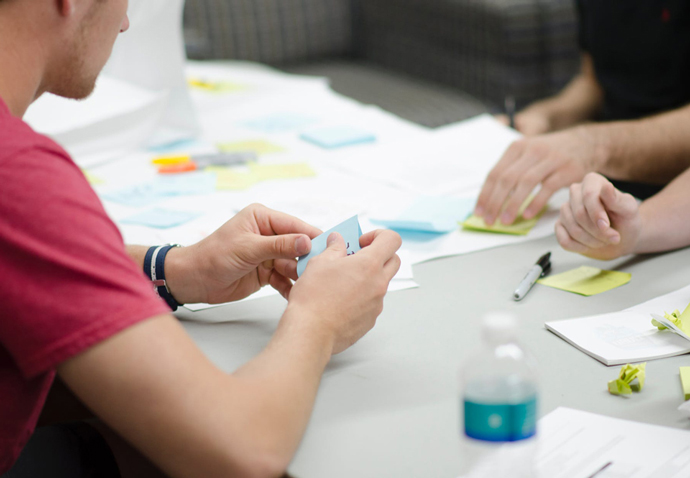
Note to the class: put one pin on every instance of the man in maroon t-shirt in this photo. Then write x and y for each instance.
(77, 304)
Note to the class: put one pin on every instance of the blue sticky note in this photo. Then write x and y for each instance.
(140, 195)
(161, 218)
(198, 182)
(280, 123)
(338, 136)
(431, 214)
(351, 232)
(163, 187)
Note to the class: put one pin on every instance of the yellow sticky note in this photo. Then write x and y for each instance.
(624, 385)
(685, 381)
(211, 86)
(232, 180)
(93, 180)
(587, 280)
(265, 172)
(520, 227)
(257, 146)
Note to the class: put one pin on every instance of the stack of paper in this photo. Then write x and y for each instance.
(627, 336)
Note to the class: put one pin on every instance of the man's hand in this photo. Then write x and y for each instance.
(554, 161)
(255, 248)
(343, 295)
(599, 221)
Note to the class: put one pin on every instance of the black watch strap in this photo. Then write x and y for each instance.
(154, 267)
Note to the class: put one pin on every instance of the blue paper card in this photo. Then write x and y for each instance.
(431, 214)
(198, 182)
(338, 136)
(140, 195)
(280, 123)
(351, 232)
(161, 218)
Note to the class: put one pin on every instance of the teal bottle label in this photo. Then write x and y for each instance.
(501, 422)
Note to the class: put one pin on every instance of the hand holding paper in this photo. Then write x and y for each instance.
(342, 292)
(599, 221)
(255, 248)
(349, 230)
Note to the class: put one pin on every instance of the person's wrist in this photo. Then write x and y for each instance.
(183, 275)
(301, 320)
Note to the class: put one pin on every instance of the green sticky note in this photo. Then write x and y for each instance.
(520, 227)
(258, 146)
(685, 381)
(623, 384)
(587, 280)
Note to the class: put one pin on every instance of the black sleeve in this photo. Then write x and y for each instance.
(582, 25)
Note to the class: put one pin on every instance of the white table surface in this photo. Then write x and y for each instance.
(388, 407)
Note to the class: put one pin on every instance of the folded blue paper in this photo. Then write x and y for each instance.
(436, 214)
(338, 136)
(161, 218)
(280, 123)
(351, 232)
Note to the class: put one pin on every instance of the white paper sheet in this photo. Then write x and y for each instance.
(577, 444)
(627, 336)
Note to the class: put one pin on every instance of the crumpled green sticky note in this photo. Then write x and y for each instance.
(520, 227)
(587, 280)
(682, 321)
(623, 384)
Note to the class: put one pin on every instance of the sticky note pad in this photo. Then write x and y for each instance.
(338, 136)
(258, 147)
(587, 280)
(685, 381)
(161, 218)
(431, 214)
(519, 227)
(351, 232)
(280, 123)
(264, 172)
(232, 180)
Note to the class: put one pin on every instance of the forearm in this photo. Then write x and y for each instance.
(666, 218)
(578, 102)
(652, 150)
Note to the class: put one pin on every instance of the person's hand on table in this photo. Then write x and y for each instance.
(553, 160)
(599, 221)
(342, 295)
(257, 247)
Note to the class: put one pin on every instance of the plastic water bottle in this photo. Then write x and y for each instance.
(498, 404)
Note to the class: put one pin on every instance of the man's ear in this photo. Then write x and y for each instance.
(65, 7)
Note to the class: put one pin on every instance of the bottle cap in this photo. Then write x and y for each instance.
(499, 327)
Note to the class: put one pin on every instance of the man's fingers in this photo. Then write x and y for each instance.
(287, 246)
(384, 244)
(286, 268)
(599, 223)
(492, 181)
(280, 283)
(335, 245)
(617, 202)
(504, 191)
(567, 242)
(527, 182)
(272, 222)
(576, 231)
(391, 267)
(503, 119)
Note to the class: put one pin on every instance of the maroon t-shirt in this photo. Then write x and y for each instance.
(66, 281)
